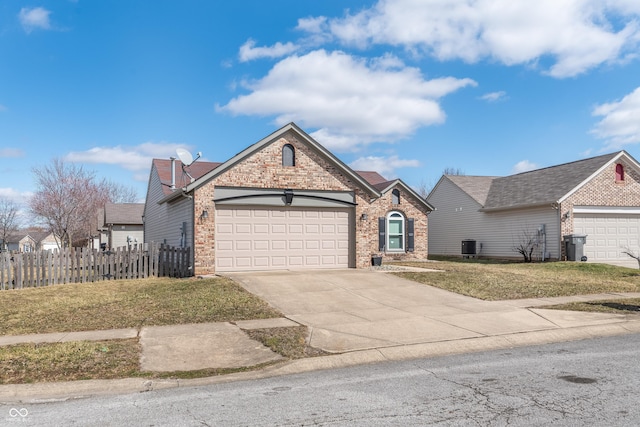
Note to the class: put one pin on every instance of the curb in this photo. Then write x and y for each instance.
(61, 391)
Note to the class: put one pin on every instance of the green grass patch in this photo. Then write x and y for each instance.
(498, 280)
(127, 304)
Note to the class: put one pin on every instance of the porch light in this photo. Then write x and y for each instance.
(288, 196)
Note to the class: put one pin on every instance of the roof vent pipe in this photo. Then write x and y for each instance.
(173, 173)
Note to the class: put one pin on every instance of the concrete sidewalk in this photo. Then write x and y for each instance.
(365, 316)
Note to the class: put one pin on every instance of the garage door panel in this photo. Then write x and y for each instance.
(261, 245)
(295, 229)
(282, 238)
(261, 228)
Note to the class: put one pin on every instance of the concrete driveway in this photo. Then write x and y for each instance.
(350, 309)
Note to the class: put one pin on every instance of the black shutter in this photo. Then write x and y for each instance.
(410, 244)
(382, 237)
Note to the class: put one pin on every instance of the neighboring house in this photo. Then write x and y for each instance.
(45, 240)
(285, 202)
(20, 241)
(30, 240)
(598, 197)
(120, 225)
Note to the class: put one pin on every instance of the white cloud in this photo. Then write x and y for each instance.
(34, 18)
(11, 152)
(137, 158)
(576, 35)
(385, 166)
(3, 108)
(14, 195)
(350, 101)
(524, 166)
(620, 123)
(249, 52)
(494, 96)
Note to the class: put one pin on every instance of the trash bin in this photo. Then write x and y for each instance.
(574, 247)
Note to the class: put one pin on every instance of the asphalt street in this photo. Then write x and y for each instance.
(589, 382)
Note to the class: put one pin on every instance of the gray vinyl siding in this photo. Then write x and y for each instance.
(121, 232)
(454, 219)
(155, 215)
(163, 222)
(501, 231)
(178, 212)
(458, 217)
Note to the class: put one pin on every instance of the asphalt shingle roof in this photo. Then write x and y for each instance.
(541, 186)
(475, 186)
(123, 213)
(546, 185)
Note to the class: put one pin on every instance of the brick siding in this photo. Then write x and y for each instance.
(263, 169)
(602, 190)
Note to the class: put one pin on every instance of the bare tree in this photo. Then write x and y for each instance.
(68, 198)
(527, 243)
(119, 193)
(424, 188)
(9, 223)
(627, 251)
(452, 171)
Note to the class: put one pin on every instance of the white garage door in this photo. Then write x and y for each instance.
(608, 235)
(281, 238)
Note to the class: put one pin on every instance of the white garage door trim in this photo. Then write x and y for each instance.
(607, 235)
(281, 238)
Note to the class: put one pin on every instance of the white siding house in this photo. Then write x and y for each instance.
(546, 204)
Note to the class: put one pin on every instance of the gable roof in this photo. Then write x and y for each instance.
(387, 186)
(372, 177)
(477, 187)
(196, 170)
(546, 185)
(291, 127)
(537, 187)
(123, 213)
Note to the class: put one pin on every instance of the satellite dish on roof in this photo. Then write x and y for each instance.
(187, 160)
(185, 157)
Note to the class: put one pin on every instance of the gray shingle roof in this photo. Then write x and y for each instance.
(541, 186)
(537, 187)
(123, 213)
(475, 186)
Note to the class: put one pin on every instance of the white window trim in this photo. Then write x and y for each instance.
(404, 233)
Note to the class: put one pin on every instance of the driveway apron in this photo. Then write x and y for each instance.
(348, 309)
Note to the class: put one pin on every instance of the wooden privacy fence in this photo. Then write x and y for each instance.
(82, 265)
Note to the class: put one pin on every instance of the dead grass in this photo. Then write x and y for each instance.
(127, 304)
(618, 306)
(290, 342)
(491, 280)
(81, 360)
(124, 304)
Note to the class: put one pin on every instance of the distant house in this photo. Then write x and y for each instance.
(598, 197)
(45, 240)
(30, 240)
(285, 202)
(120, 225)
(20, 241)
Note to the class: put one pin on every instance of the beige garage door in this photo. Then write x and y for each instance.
(281, 238)
(607, 235)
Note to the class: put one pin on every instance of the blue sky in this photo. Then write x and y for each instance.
(404, 87)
